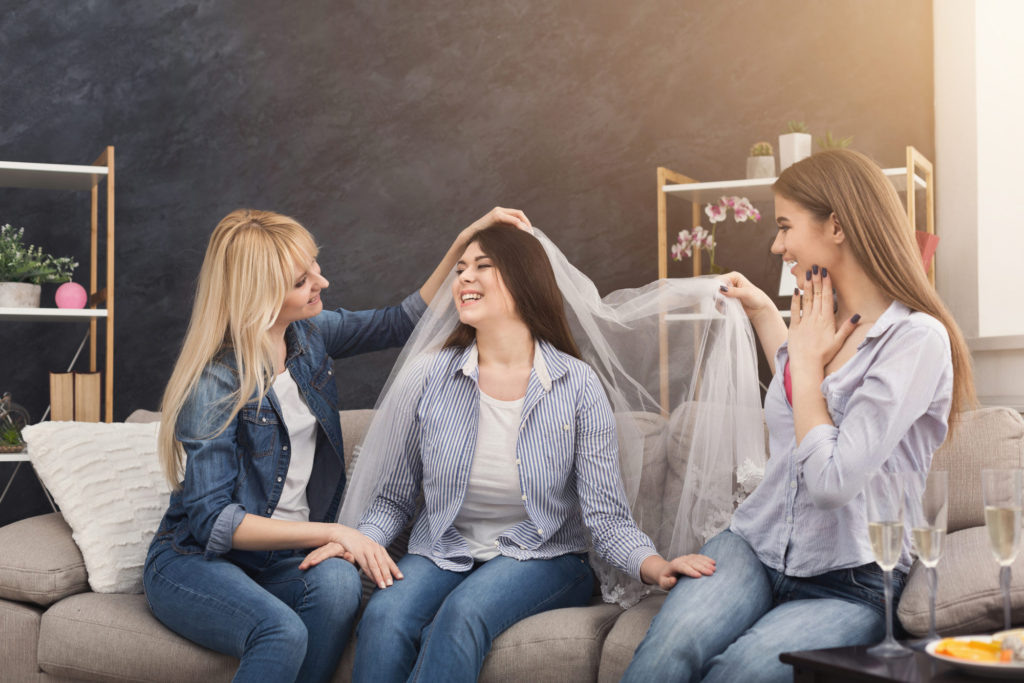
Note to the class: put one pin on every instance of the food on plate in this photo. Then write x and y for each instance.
(1006, 647)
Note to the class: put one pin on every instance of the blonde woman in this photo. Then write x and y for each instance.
(251, 443)
(866, 379)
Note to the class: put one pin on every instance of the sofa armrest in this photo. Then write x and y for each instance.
(40, 562)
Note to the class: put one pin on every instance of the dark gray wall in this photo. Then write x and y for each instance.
(385, 127)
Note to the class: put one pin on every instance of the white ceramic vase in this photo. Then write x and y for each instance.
(760, 167)
(792, 148)
(19, 295)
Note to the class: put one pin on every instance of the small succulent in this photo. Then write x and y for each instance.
(829, 142)
(761, 149)
(798, 127)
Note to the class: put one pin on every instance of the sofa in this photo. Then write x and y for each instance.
(54, 627)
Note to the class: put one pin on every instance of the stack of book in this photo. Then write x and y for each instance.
(75, 396)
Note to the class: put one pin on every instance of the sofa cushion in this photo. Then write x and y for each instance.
(968, 599)
(990, 438)
(19, 633)
(97, 637)
(625, 636)
(109, 485)
(46, 566)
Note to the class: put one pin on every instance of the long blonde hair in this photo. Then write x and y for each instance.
(881, 238)
(248, 269)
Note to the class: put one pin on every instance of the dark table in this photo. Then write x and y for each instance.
(853, 664)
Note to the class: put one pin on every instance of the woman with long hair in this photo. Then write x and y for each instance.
(868, 377)
(250, 441)
(508, 440)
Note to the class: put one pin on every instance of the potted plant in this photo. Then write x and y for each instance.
(701, 240)
(829, 142)
(761, 162)
(24, 268)
(794, 145)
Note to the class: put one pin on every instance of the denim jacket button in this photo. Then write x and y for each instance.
(263, 419)
(280, 479)
(269, 511)
(284, 448)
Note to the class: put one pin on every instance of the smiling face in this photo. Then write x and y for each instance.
(803, 238)
(480, 294)
(303, 300)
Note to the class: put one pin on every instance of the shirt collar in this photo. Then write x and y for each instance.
(896, 312)
(471, 360)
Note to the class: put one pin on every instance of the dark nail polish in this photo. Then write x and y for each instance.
(723, 288)
(796, 291)
(824, 272)
(808, 275)
(855, 319)
(814, 269)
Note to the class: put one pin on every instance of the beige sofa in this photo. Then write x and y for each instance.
(53, 628)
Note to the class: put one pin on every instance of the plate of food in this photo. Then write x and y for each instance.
(1000, 655)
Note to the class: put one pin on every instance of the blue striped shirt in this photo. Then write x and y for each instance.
(889, 405)
(566, 454)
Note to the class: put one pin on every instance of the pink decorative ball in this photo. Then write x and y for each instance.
(71, 295)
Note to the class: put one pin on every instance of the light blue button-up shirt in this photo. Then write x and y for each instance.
(567, 455)
(889, 404)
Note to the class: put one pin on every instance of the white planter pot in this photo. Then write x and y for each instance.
(760, 167)
(19, 295)
(792, 148)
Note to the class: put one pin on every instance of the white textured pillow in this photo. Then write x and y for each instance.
(108, 483)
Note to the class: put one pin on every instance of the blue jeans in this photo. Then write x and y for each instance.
(438, 625)
(284, 624)
(733, 625)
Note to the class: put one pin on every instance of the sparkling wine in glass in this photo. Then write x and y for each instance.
(928, 509)
(1001, 491)
(885, 497)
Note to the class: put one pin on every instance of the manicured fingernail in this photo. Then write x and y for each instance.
(824, 272)
(390, 582)
(808, 275)
(855, 319)
(723, 288)
(815, 269)
(796, 291)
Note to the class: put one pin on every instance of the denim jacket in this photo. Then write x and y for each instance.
(243, 469)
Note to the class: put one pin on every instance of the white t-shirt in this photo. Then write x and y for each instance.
(301, 425)
(493, 500)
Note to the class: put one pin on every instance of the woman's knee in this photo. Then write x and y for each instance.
(282, 629)
(335, 586)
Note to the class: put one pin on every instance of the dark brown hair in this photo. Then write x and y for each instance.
(526, 272)
(851, 186)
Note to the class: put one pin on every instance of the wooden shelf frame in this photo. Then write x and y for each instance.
(16, 174)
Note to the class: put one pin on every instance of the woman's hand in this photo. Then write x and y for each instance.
(496, 216)
(755, 302)
(369, 555)
(813, 337)
(658, 571)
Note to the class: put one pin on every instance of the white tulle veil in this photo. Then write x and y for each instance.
(678, 364)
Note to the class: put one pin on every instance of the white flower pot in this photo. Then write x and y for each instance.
(792, 148)
(760, 167)
(19, 295)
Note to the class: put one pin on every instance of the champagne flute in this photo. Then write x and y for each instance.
(928, 508)
(1001, 491)
(884, 495)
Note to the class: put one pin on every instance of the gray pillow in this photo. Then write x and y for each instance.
(968, 599)
(40, 562)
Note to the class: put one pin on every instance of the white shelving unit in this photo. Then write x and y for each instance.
(16, 174)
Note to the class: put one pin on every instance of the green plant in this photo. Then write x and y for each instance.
(798, 127)
(21, 263)
(761, 149)
(829, 142)
(10, 434)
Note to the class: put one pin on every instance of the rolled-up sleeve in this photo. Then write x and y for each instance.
(895, 393)
(603, 501)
